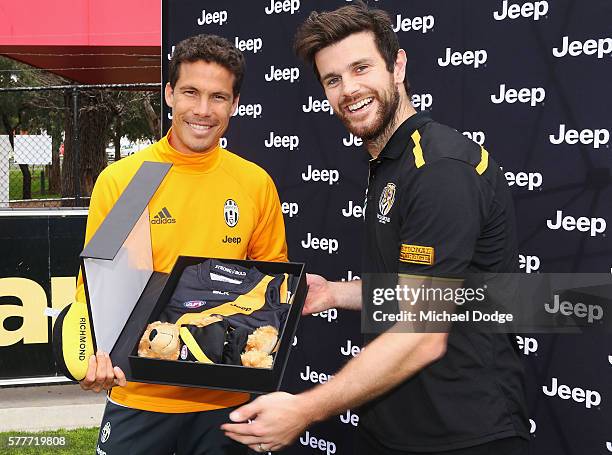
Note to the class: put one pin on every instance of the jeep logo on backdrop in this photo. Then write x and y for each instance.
(282, 74)
(282, 6)
(248, 110)
(585, 397)
(475, 59)
(285, 142)
(253, 45)
(418, 24)
(534, 10)
(329, 176)
(594, 226)
(597, 137)
(531, 96)
(313, 105)
(215, 17)
(600, 47)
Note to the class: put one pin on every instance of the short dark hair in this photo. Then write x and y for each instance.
(323, 29)
(210, 48)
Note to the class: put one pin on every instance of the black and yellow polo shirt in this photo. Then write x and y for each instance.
(438, 205)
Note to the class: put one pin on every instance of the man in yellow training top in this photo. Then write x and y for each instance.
(188, 218)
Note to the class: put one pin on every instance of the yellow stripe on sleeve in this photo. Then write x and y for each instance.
(244, 304)
(193, 346)
(484, 161)
(417, 150)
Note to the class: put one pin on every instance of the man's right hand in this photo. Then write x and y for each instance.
(101, 375)
(320, 295)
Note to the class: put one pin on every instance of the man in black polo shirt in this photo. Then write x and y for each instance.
(437, 208)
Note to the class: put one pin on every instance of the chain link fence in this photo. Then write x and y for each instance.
(55, 140)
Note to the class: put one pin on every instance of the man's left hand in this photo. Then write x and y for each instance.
(276, 420)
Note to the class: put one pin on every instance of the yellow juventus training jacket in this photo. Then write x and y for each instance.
(215, 205)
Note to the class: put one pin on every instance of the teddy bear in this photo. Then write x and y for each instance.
(160, 341)
(260, 344)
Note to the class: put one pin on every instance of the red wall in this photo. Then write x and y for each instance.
(80, 22)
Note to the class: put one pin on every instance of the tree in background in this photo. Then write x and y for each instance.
(104, 116)
(33, 112)
(136, 117)
(93, 127)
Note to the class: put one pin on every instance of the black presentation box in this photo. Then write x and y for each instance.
(228, 377)
(124, 295)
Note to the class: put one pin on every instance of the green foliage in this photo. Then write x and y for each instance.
(132, 113)
(129, 106)
(28, 111)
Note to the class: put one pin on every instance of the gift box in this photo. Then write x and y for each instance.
(124, 295)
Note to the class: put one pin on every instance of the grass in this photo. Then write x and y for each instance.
(79, 441)
(16, 184)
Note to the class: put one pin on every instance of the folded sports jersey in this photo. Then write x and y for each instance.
(218, 305)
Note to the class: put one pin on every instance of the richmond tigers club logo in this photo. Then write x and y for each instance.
(387, 198)
(231, 213)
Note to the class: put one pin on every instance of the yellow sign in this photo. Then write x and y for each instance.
(34, 328)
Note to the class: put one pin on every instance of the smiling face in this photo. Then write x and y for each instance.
(358, 85)
(202, 102)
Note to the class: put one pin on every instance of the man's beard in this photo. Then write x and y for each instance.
(384, 120)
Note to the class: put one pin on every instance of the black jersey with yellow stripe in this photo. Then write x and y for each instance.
(438, 205)
(238, 299)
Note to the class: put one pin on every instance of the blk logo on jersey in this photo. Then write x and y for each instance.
(231, 213)
(387, 198)
(163, 217)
